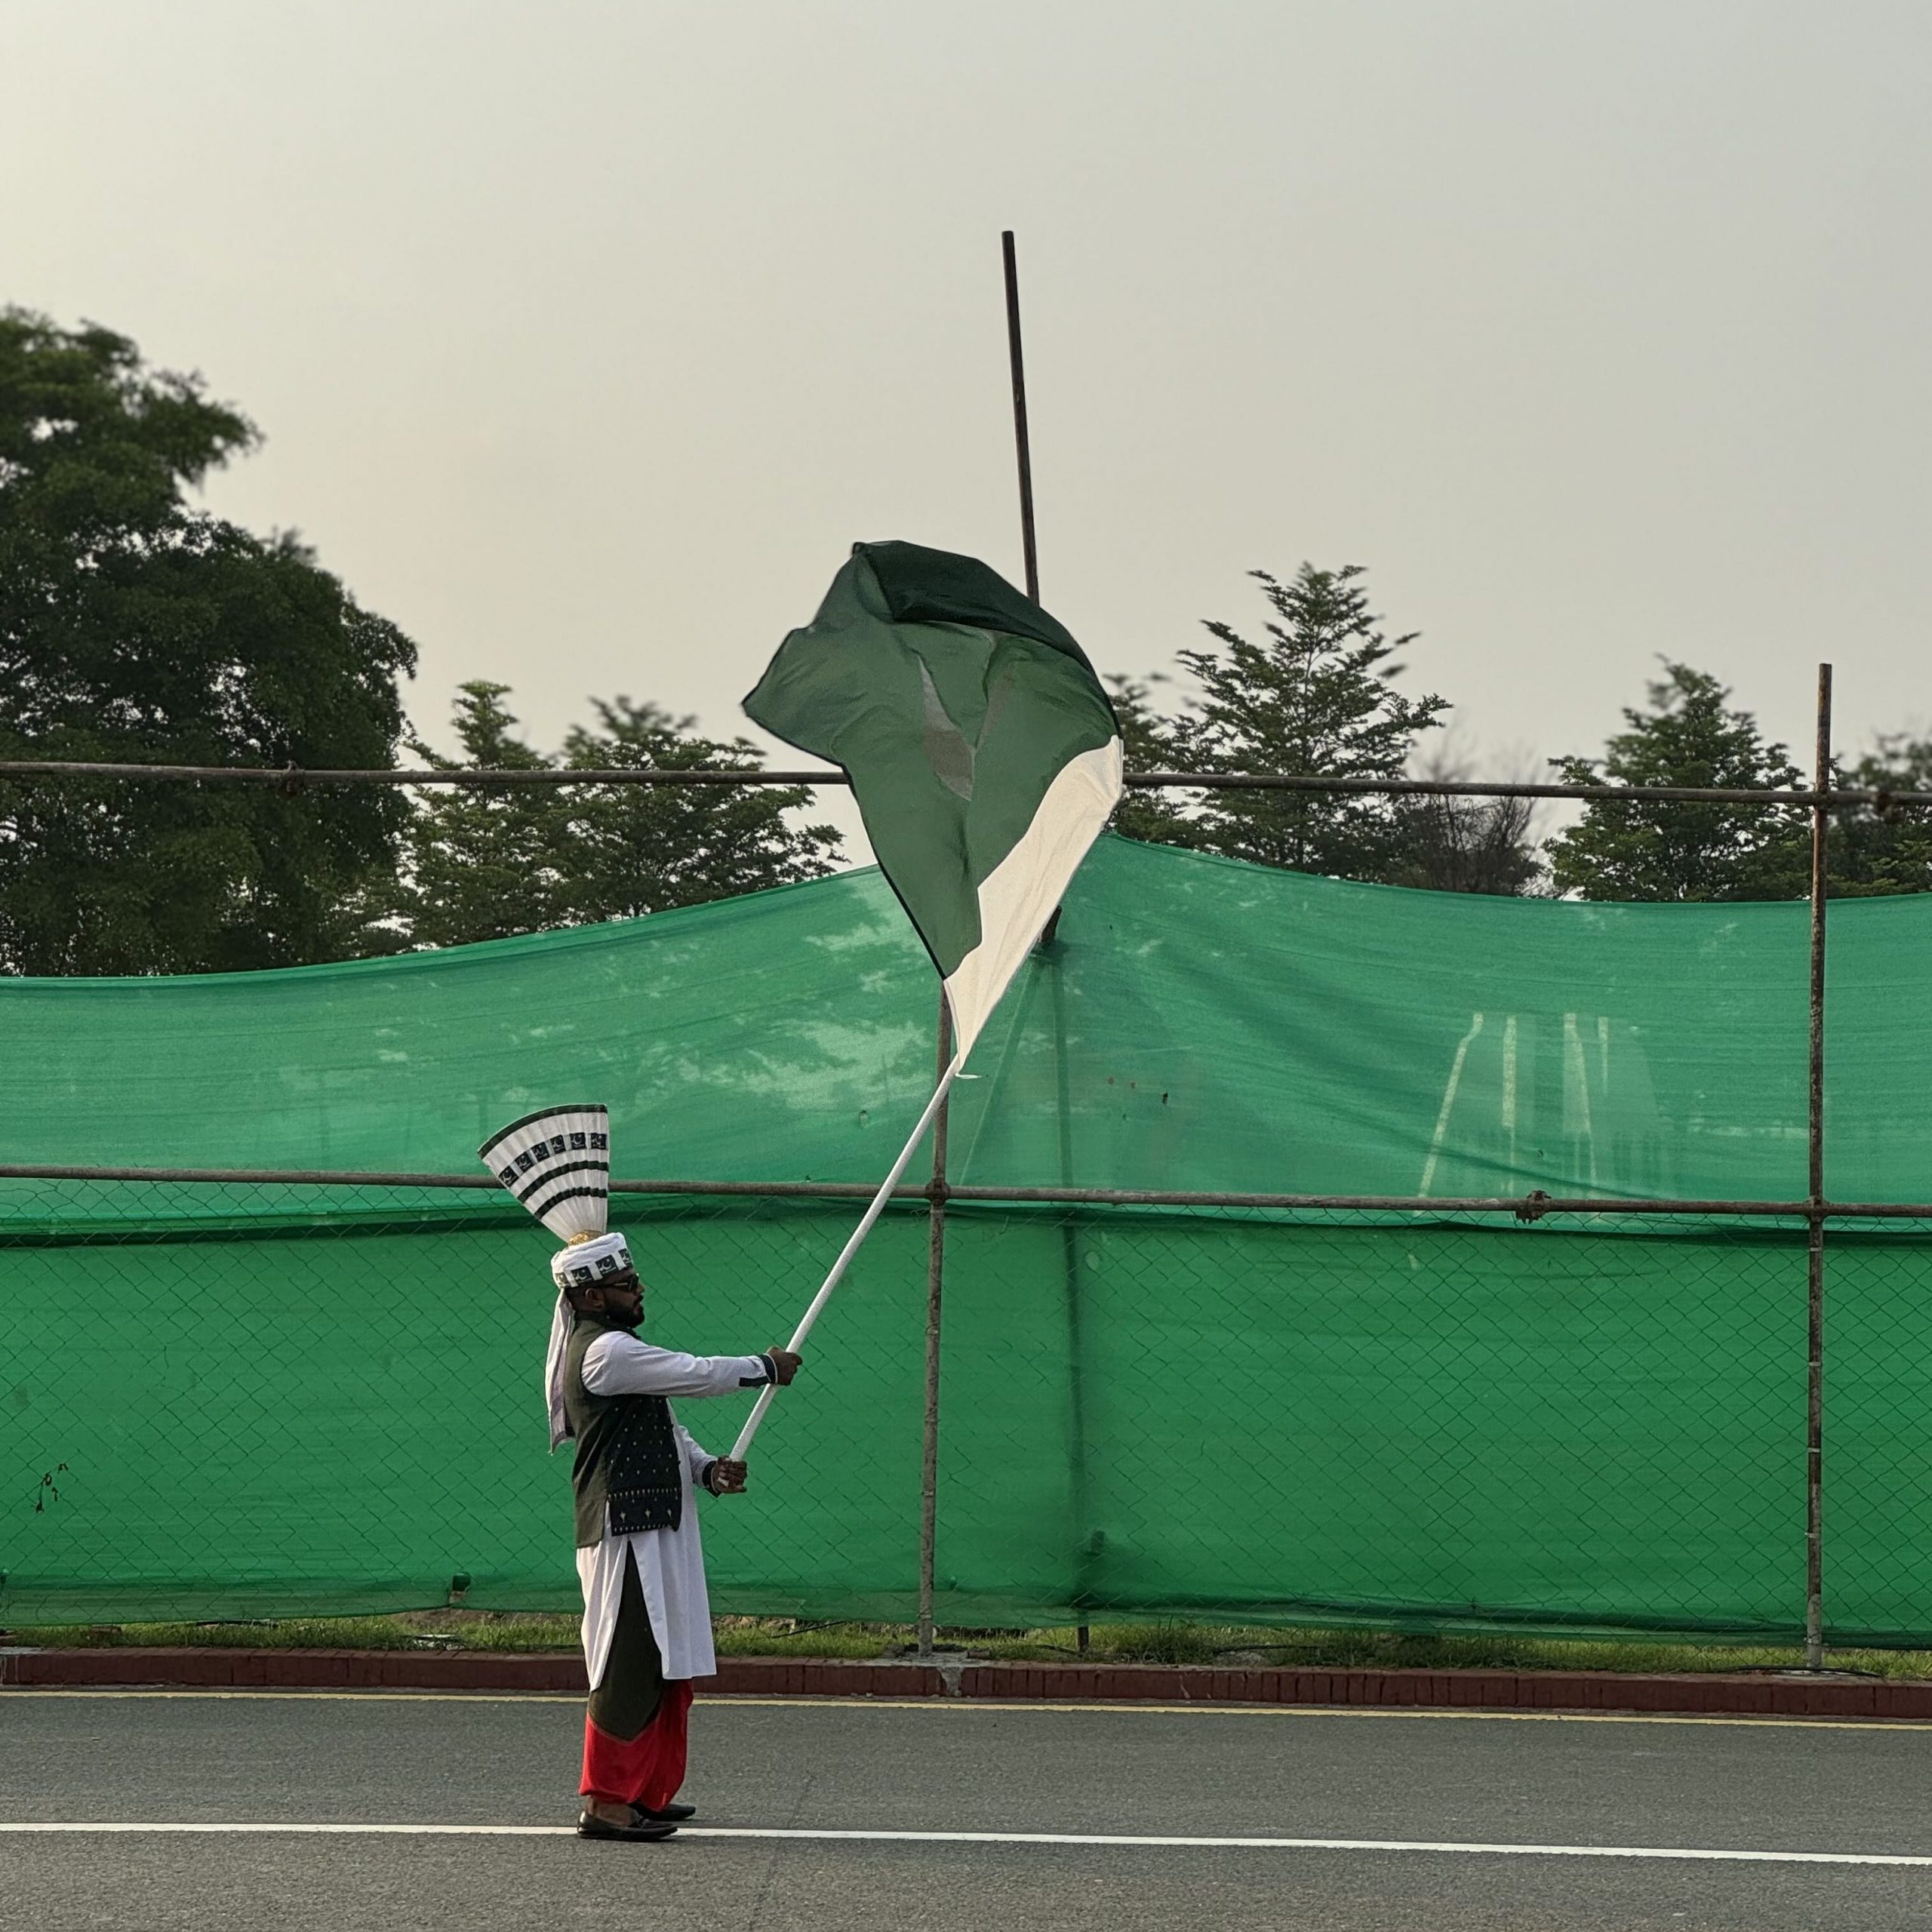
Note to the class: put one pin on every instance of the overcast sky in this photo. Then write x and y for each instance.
(586, 337)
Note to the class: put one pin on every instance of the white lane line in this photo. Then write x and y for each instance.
(718, 1701)
(1432, 1846)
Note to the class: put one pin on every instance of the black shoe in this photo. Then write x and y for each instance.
(667, 1814)
(643, 1829)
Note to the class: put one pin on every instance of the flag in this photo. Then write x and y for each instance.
(982, 751)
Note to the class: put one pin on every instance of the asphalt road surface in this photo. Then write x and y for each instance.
(402, 1811)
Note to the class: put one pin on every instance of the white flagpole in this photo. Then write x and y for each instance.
(845, 1255)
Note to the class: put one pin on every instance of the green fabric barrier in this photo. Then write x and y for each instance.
(280, 1400)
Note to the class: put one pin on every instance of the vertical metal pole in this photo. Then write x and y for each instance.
(1021, 442)
(1080, 1496)
(1022, 446)
(1814, 1422)
(936, 1193)
(935, 1284)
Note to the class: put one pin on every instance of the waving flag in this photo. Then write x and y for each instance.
(982, 749)
(984, 757)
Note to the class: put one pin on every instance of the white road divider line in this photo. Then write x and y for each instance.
(1436, 1846)
(969, 1706)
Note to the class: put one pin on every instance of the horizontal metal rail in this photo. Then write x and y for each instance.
(1530, 1207)
(295, 778)
(1447, 788)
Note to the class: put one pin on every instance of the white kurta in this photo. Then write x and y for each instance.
(670, 1563)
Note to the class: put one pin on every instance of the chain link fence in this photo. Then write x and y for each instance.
(320, 1393)
(311, 1399)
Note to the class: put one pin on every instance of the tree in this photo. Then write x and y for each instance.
(1689, 736)
(1317, 698)
(1149, 742)
(637, 848)
(1877, 851)
(485, 864)
(1452, 843)
(136, 627)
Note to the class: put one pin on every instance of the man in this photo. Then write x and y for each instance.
(646, 1619)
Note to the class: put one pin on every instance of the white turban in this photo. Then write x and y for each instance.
(582, 1265)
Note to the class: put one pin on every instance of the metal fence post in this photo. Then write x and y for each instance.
(1814, 1419)
(1022, 448)
(935, 1285)
(1085, 1552)
(1022, 440)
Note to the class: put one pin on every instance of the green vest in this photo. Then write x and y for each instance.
(627, 1456)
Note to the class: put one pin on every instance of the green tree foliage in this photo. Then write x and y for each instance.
(1317, 696)
(637, 849)
(1148, 743)
(485, 864)
(1878, 851)
(1461, 845)
(1690, 735)
(135, 627)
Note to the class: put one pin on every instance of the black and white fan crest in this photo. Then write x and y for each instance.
(557, 1163)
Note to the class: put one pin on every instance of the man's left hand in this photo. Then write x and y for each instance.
(726, 1477)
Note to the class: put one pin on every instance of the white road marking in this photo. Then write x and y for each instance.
(1438, 1847)
(718, 1702)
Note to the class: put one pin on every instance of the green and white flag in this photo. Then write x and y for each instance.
(981, 747)
(984, 757)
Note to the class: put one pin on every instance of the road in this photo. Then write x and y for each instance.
(1408, 1794)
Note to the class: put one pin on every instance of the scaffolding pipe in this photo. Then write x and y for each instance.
(935, 1290)
(1814, 1404)
(296, 778)
(1532, 1207)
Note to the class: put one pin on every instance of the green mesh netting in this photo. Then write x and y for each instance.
(222, 1400)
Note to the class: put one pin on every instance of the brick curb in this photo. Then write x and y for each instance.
(1766, 1696)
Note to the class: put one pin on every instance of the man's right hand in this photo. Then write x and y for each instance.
(784, 1365)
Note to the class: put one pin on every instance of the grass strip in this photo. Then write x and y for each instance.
(1169, 1643)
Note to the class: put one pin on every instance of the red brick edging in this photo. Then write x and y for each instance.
(1761, 1696)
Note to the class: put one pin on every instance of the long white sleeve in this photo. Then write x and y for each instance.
(697, 1458)
(618, 1364)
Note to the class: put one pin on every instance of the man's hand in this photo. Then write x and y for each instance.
(784, 1364)
(726, 1478)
